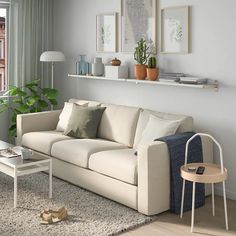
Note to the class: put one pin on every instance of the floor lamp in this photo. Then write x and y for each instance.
(52, 56)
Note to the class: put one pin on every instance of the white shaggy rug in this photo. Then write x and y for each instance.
(89, 214)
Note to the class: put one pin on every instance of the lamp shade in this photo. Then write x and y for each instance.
(52, 56)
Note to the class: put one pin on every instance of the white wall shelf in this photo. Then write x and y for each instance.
(213, 85)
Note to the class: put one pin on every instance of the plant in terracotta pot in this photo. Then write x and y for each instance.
(152, 70)
(141, 55)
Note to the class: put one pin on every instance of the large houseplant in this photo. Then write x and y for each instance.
(27, 99)
(141, 55)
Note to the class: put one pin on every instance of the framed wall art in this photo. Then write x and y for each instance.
(175, 30)
(106, 25)
(138, 20)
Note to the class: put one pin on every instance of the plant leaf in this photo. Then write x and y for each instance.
(32, 83)
(43, 104)
(53, 102)
(23, 109)
(3, 109)
(50, 93)
(17, 100)
(31, 101)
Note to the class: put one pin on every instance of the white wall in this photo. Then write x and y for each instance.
(213, 55)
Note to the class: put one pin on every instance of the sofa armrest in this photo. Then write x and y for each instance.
(154, 175)
(153, 178)
(40, 121)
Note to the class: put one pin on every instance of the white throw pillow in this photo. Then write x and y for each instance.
(157, 128)
(65, 116)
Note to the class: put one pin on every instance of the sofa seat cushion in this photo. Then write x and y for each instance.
(78, 151)
(42, 141)
(119, 164)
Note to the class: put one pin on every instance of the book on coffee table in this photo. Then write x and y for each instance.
(10, 152)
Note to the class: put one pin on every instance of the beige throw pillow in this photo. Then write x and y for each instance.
(84, 122)
(65, 115)
(157, 128)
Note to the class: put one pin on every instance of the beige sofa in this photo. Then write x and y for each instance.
(107, 165)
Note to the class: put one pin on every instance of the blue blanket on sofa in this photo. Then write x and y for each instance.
(176, 145)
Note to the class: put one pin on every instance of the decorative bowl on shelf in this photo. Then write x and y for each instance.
(115, 62)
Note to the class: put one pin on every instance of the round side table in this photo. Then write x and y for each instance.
(212, 174)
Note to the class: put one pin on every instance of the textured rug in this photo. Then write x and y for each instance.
(89, 214)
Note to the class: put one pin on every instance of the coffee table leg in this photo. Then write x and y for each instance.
(15, 188)
(50, 179)
(193, 207)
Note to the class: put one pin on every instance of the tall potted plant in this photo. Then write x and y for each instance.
(141, 55)
(27, 99)
(152, 70)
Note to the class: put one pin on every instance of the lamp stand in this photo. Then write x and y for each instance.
(52, 81)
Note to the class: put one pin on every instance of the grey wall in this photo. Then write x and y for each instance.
(213, 55)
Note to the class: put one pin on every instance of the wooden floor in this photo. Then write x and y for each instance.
(168, 224)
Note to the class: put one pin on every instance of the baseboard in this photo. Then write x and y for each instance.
(229, 194)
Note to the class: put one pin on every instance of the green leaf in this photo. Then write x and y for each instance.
(43, 104)
(22, 93)
(23, 109)
(4, 103)
(33, 91)
(50, 93)
(53, 102)
(13, 118)
(32, 83)
(3, 109)
(31, 101)
(12, 130)
(38, 109)
(17, 100)
(33, 110)
(13, 91)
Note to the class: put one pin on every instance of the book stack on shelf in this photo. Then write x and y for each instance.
(181, 78)
(170, 77)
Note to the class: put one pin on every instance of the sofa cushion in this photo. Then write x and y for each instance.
(119, 164)
(84, 121)
(119, 123)
(186, 122)
(78, 151)
(42, 141)
(157, 128)
(83, 102)
(65, 115)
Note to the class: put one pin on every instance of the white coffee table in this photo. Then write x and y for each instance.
(16, 167)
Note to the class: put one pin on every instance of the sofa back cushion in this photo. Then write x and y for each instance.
(186, 122)
(119, 123)
(83, 102)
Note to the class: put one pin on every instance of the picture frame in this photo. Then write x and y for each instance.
(106, 32)
(138, 20)
(175, 30)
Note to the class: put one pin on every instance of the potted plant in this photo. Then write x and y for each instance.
(152, 70)
(141, 55)
(27, 99)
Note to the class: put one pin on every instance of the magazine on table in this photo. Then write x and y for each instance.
(10, 152)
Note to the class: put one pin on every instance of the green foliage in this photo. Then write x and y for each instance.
(28, 99)
(141, 53)
(152, 62)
